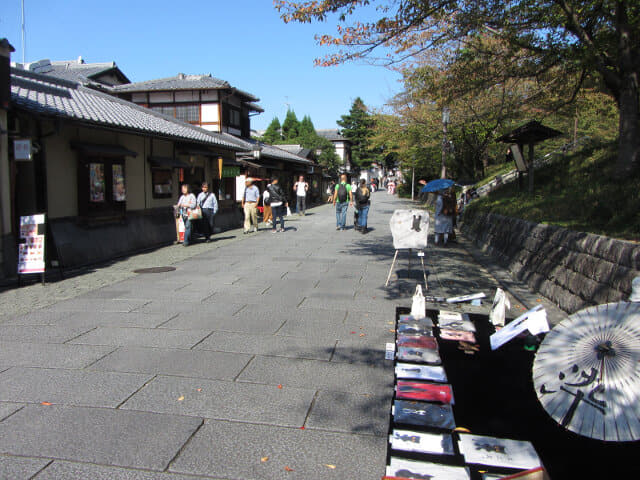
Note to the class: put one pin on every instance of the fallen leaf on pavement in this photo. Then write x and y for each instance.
(46, 403)
(302, 427)
(199, 389)
(353, 332)
(181, 398)
(390, 323)
(392, 330)
(288, 469)
(280, 386)
(264, 459)
(328, 465)
(362, 335)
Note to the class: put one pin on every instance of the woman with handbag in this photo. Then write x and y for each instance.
(186, 205)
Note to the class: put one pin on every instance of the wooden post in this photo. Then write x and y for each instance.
(531, 168)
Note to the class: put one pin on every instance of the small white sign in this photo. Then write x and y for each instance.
(22, 150)
(390, 351)
(534, 320)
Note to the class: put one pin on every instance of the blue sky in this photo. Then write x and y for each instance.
(241, 41)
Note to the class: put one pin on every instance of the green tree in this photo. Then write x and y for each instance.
(272, 133)
(581, 37)
(290, 127)
(357, 126)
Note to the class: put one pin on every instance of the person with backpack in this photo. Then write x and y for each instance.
(342, 198)
(267, 216)
(278, 201)
(363, 195)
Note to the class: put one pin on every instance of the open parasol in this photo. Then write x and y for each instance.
(587, 372)
(437, 185)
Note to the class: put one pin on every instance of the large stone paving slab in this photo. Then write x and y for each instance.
(68, 387)
(96, 435)
(20, 468)
(187, 363)
(244, 402)
(220, 317)
(142, 337)
(364, 414)
(295, 347)
(97, 304)
(59, 470)
(40, 333)
(308, 454)
(50, 355)
(341, 377)
(7, 408)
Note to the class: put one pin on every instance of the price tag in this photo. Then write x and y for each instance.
(390, 352)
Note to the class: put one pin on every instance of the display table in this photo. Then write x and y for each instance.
(494, 396)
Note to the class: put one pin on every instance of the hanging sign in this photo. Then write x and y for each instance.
(230, 172)
(31, 252)
(22, 150)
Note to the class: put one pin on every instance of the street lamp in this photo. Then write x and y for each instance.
(256, 150)
(445, 122)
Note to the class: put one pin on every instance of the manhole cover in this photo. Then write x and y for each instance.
(155, 270)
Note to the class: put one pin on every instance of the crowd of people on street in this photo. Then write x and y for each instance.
(196, 215)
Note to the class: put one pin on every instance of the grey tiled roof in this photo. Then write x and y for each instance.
(81, 72)
(270, 151)
(61, 98)
(182, 82)
(332, 134)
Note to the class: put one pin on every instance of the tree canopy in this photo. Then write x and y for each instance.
(543, 40)
(357, 126)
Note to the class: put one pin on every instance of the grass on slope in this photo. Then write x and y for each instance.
(576, 192)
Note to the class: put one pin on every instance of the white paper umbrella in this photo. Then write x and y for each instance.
(587, 372)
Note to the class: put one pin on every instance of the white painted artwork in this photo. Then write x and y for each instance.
(410, 229)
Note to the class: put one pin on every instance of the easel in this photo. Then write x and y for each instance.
(424, 271)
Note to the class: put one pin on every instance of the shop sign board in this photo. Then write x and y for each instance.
(31, 252)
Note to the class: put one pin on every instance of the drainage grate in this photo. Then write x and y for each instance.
(155, 270)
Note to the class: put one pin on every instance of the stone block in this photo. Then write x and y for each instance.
(97, 435)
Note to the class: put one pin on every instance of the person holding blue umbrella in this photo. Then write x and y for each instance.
(445, 212)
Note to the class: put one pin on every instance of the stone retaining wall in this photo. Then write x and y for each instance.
(573, 269)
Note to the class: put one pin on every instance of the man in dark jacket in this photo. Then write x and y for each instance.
(279, 204)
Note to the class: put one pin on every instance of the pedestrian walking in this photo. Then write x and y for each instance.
(330, 191)
(250, 200)
(209, 205)
(186, 203)
(342, 198)
(267, 215)
(301, 187)
(279, 204)
(362, 204)
(444, 217)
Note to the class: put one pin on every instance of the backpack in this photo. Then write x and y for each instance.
(342, 193)
(362, 198)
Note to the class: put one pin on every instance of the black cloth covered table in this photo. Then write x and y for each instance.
(494, 395)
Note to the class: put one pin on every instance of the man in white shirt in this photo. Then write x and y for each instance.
(209, 205)
(250, 200)
(301, 187)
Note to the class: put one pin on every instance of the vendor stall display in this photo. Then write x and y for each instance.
(498, 452)
(417, 341)
(424, 391)
(420, 355)
(423, 414)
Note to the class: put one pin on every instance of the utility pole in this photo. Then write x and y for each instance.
(445, 144)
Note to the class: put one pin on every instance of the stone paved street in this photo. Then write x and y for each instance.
(260, 357)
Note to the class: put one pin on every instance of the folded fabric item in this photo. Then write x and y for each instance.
(413, 329)
(421, 372)
(459, 335)
(417, 341)
(401, 468)
(426, 392)
(449, 315)
(421, 355)
(432, 415)
(408, 319)
(411, 441)
(498, 452)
